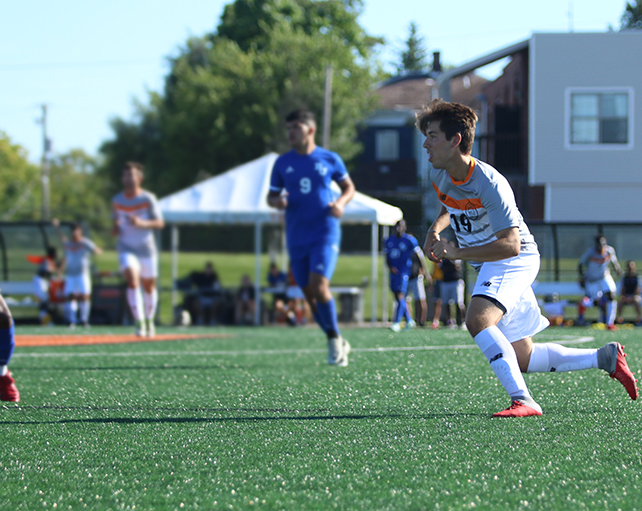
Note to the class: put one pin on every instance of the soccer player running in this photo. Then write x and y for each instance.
(300, 185)
(78, 251)
(503, 314)
(597, 280)
(399, 249)
(136, 215)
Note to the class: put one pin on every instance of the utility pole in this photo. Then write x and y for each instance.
(44, 165)
(327, 107)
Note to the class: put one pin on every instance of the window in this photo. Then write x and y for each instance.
(387, 145)
(599, 118)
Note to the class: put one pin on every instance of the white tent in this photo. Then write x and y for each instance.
(239, 197)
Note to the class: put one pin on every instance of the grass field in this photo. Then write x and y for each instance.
(259, 420)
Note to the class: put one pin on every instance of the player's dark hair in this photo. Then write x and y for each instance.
(302, 116)
(52, 253)
(453, 118)
(76, 225)
(599, 237)
(134, 165)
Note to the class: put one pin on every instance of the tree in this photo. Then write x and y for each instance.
(632, 17)
(413, 58)
(227, 93)
(19, 183)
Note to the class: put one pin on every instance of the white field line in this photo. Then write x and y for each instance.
(567, 339)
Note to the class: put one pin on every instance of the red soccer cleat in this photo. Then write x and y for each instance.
(518, 409)
(612, 328)
(8, 389)
(623, 374)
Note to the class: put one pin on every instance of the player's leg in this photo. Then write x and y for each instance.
(148, 276)
(8, 389)
(71, 304)
(436, 294)
(609, 294)
(84, 299)
(635, 300)
(300, 266)
(397, 288)
(624, 300)
(130, 267)
(460, 302)
(323, 261)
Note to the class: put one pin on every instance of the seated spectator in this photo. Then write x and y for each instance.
(553, 309)
(630, 292)
(278, 281)
(48, 271)
(204, 301)
(245, 302)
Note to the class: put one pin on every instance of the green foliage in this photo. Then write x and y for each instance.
(79, 194)
(413, 57)
(19, 183)
(632, 17)
(227, 93)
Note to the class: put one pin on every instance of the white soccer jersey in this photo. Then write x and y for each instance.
(597, 263)
(480, 206)
(132, 239)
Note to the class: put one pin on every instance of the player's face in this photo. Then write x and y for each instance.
(132, 178)
(299, 133)
(400, 227)
(439, 149)
(76, 234)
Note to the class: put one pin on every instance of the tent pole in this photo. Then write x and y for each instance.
(174, 266)
(375, 250)
(384, 271)
(257, 273)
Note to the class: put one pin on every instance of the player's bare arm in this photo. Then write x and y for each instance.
(505, 246)
(432, 237)
(277, 200)
(156, 223)
(347, 192)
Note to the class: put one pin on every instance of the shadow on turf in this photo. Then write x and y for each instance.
(160, 420)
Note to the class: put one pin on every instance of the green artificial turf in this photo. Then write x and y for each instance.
(259, 420)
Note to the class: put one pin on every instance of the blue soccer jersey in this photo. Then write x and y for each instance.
(307, 180)
(399, 252)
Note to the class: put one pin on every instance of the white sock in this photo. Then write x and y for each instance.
(503, 361)
(72, 311)
(3, 370)
(551, 357)
(135, 301)
(610, 312)
(151, 300)
(85, 306)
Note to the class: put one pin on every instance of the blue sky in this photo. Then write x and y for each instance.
(89, 61)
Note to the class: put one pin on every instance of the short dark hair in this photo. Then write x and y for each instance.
(134, 165)
(301, 115)
(76, 225)
(453, 118)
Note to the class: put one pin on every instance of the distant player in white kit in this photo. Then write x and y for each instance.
(136, 215)
(503, 315)
(78, 251)
(596, 279)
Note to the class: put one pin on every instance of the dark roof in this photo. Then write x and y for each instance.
(413, 91)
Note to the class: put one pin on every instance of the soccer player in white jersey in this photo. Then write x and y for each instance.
(597, 280)
(136, 215)
(78, 250)
(503, 314)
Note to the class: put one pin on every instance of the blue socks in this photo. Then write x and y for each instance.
(401, 310)
(6, 345)
(327, 313)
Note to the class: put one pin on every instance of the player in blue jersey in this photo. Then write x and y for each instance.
(399, 249)
(300, 185)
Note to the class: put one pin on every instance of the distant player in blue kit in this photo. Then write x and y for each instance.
(399, 249)
(300, 185)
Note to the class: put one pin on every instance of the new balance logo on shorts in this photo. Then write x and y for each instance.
(289, 170)
(486, 284)
(320, 267)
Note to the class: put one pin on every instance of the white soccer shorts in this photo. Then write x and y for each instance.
(509, 282)
(77, 284)
(595, 289)
(146, 267)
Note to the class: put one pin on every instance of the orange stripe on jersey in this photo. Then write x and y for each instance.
(130, 209)
(470, 173)
(462, 204)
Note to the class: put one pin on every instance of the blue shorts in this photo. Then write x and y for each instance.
(399, 282)
(318, 258)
